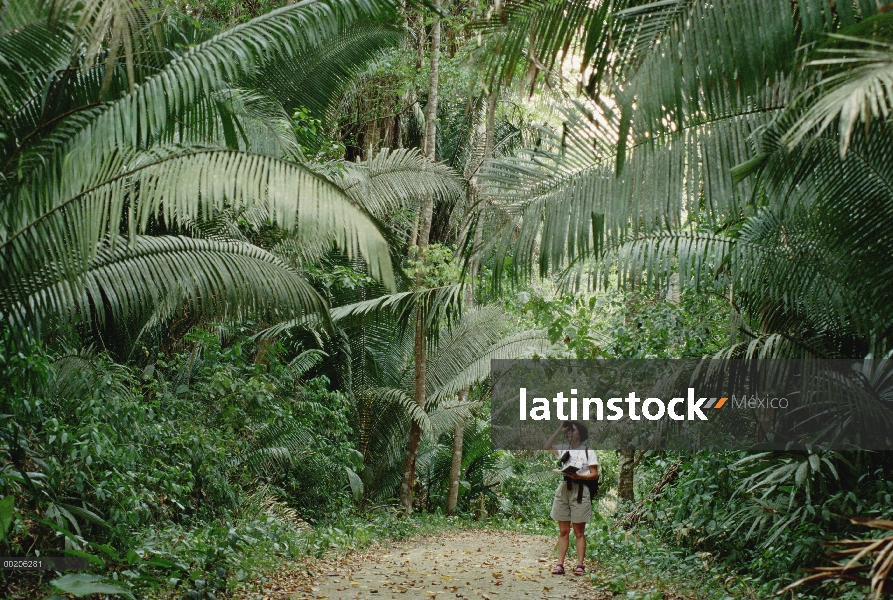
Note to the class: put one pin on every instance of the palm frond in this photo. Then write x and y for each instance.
(134, 119)
(240, 119)
(859, 88)
(35, 39)
(710, 58)
(438, 303)
(62, 232)
(72, 375)
(518, 345)
(393, 179)
(402, 398)
(306, 360)
(126, 280)
(564, 201)
(114, 28)
(315, 77)
(538, 35)
(276, 447)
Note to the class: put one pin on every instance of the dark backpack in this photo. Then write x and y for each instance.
(592, 484)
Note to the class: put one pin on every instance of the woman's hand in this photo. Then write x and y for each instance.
(549, 445)
(593, 474)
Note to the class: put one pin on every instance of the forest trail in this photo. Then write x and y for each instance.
(470, 564)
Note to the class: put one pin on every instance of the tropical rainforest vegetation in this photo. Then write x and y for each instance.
(256, 257)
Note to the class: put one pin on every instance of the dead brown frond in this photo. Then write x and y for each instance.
(874, 572)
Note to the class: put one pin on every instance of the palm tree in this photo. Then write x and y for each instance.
(421, 238)
(717, 165)
(459, 348)
(704, 148)
(122, 125)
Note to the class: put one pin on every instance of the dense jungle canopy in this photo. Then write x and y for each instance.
(256, 257)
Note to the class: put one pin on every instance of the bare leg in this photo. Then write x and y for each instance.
(564, 533)
(580, 534)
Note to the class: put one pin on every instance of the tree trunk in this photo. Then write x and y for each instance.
(459, 434)
(433, 80)
(424, 231)
(430, 141)
(633, 517)
(627, 470)
(456, 466)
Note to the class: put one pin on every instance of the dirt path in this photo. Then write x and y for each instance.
(476, 564)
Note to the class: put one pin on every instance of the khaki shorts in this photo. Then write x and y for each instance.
(565, 506)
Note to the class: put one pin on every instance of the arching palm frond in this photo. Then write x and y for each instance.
(538, 35)
(859, 87)
(518, 345)
(751, 45)
(238, 119)
(136, 117)
(314, 78)
(127, 280)
(394, 179)
(277, 447)
(62, 232)
(73, 375)
(385, 183)
(564, 201)
(438, 303)
(305, 361)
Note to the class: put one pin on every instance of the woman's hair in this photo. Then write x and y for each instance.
(581, 429)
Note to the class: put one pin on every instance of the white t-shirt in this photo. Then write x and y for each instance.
(578, 457)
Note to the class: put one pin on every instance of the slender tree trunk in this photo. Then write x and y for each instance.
(459, 433)
(430, 141)
(456, 466)
(627, 471)
(424, 231)
(433, 81)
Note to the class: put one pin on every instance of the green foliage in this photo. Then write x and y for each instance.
(634, 324)
(438, 267)
(765, 516)
(86, 585)
(311, 140)
(178, 442)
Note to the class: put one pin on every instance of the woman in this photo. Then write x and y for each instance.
(572, 503)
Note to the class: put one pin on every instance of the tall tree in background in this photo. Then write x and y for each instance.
(424, 231)
(473, 264)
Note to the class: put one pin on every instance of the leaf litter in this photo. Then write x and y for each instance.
(456, 565)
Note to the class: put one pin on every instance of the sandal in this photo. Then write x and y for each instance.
(558, 570)
(580, 570)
